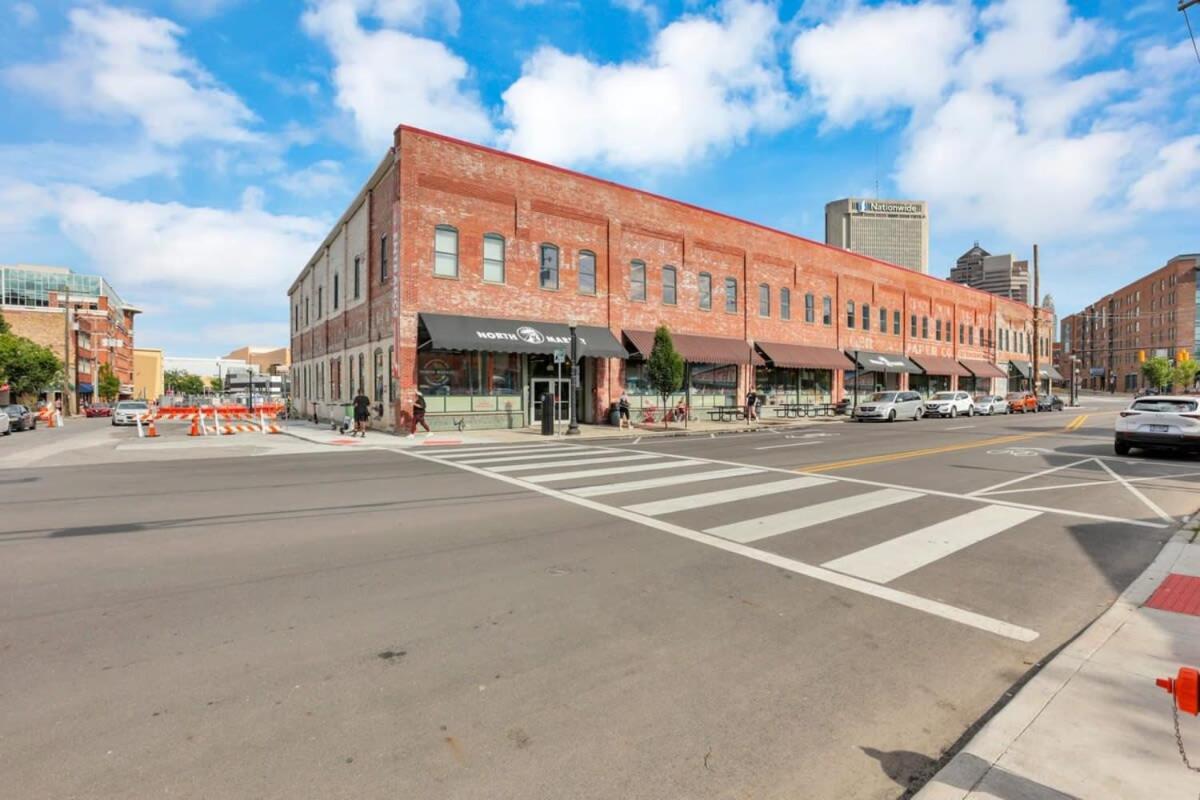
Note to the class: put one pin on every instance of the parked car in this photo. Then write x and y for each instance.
(949, 404)
(98, 410)
(1021, 402)
(1050, 402)
(5, 425)
(990, 404)
(889, 406)
(20, 418)
(127, 412)
(1164, 421)
(1146, 393)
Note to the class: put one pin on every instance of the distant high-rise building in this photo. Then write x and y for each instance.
(1000, 275)
(896, 231)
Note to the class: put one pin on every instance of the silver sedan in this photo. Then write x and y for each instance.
(990, 404)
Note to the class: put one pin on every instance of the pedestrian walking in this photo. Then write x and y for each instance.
(362, 413)
(623, 412)
(418, 415)
(751, 406)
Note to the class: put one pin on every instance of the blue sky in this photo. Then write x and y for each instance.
(196, 151)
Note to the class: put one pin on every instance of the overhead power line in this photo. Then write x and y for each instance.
(1184, 5)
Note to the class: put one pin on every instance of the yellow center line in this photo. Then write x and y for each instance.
(1077, 423)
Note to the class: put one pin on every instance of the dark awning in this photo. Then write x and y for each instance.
(697, 349)
(82, 388)
(870, 361)
(1051, 372)
(804, 356)
(936, 365)
(983, 369)
(1023, 368)
(516, 336)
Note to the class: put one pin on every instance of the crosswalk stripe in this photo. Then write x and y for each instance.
(460, 453)
(751, 530)
(575, 462)
(889, 560)
(666, 480)
(530, 456)
(673, 504)
(593, 473)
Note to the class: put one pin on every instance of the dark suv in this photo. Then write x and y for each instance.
(1050, 402)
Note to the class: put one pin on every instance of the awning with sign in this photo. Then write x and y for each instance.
(85, 388)
(869, 361)
(448, 332)
(697, 349)
(982, 369)
(801, 356)
(936, 365)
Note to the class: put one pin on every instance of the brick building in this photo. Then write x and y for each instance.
(458, 269)
(1152, 316)
(99, 331)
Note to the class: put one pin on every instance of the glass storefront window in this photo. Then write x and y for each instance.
(929, 384)
(711, 383)
(459, 381)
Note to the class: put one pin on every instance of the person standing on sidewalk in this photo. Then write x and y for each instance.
(362, 412)
(418, 415)
(623, 412)
(751, 406)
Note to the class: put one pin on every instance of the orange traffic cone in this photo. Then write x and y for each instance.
(151, 429)
(195, 431)
(50, 420)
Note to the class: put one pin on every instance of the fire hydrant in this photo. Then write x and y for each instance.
(1186, 688)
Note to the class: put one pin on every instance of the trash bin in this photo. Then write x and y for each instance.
(614, 415)
(547, 414)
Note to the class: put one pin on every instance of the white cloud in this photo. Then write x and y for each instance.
(252, 333)
(203, 9)
(321, 179)
(119, 64)
(707, 83)
(22, 206)
(25, 14)
(383, 76)
(646, 9)
(1172, 180)
(863, 64)
(99, 164)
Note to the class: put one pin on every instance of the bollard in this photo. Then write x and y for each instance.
(138, 420)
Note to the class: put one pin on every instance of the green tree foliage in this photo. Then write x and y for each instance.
(1184, 374)
(109, 385)
(191, 384)
(26, 366)
(4, 326)
(171, 379)
(664, 367)
(1157, 371)
(216, 385)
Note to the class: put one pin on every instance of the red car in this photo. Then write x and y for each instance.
(1020, 402)
(98, 410)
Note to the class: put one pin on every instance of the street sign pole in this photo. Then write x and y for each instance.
(572, 415)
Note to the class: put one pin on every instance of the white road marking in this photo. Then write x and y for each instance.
(958, 427)
(793, 444)
(574, 462)
(1142, 479)
(460, 452)
(751, 530)
(706, 499)
(889, 560)
(531, 456)
(915, 602)
(638, 439)
(667, 480)
(592, 473)
(1133, 490)
(989, 489)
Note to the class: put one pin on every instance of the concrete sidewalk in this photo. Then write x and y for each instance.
(1091, 723)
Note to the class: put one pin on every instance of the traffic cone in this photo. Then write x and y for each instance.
(50, 420)
(151, 429)
(195, 431)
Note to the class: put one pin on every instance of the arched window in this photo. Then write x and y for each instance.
(378, 374)
(731, 295)
(809, 307)
(391, 368)
(668, 285)
(637, 280)
(785, 303)
(445, 251)
(493, 257)
(548, 270)
(587, 272)
(826, 310)
(850, 307)
(883, 320)
(705, 291)
(866, 317)
(924, 327)
(362, 371)
(764, 300)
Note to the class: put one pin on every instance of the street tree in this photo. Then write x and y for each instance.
(1157, 371)
(216, 385)
(1184, 374)
(109, 385)
(190, 384)
(4, 326)
(664, 368)
(171, 379)
(26, 366)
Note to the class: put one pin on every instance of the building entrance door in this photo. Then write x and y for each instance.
(541, 386)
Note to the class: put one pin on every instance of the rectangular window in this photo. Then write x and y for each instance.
(971, 336)
(764, 300)
(306, 309)
(357, 276)
(548, 272)
(637, 280)
(731, 295)
(705, 291)
(866, 317)
(883, 320)
(962, 333)
(896, 323)
(913, 327)
(850, 313)
(335, 292)
(809, 308)
(827, 310)
(785, 303)
(587, 272)
(296, 318)
(938, 328)
(445, 251)
(391, 374)
(668, 286)
(924, 327)
(383, 258)
(493, 258)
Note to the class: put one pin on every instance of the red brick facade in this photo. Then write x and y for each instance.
(440, 181)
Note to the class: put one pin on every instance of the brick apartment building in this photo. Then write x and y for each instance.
(1153, 316)
(100, 328)
(458, 269)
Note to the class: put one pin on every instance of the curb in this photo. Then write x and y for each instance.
(974, 758)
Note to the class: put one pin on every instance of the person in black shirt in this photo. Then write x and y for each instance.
(418, 415)
(362, 413)
(751, 405)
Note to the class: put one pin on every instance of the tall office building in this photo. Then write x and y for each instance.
(896, 231)
(1001, 275)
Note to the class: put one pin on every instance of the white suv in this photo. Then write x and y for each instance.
(1168, 421)
(950, 404)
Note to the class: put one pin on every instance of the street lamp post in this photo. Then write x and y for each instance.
(857, 367)
(573, 424)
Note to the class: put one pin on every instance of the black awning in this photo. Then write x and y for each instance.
(869, 361)
(1023, 368)
(448, 332)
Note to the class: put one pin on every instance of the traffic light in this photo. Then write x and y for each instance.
(1183, 355)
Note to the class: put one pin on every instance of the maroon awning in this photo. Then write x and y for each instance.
(698, 349)
(983, 369)
(936, 365)
(804, 356)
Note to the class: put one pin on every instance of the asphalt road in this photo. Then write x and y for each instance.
(472, 623)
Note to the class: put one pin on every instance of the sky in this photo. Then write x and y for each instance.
(195, 152)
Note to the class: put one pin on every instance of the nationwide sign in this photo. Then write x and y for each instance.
(888, 207)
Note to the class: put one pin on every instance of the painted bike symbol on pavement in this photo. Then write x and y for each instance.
(1019, 452)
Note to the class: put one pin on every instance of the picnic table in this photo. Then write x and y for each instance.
(798, 410)
(726, 413)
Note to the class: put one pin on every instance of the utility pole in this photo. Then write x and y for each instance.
(1037, 376)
